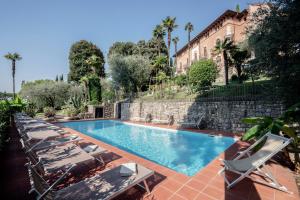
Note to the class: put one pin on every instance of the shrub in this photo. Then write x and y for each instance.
(94, 88)
(49, 112)
(31, 109)
(71, 111)
(181, 80)
(47, 93)
(234, 78)
(203, 73)
(5, 112)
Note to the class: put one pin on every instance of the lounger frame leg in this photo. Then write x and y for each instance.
(145, 187)
(274, 183)
(100, 159)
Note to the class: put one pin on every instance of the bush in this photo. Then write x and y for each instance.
(4, 121)
(71, 111)
(202, 74)
(49, 112)
(31, 109)
(94, 88)
(235, 78)
(181, 80)
(47, 93)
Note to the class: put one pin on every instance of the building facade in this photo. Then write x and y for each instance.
(231, 25)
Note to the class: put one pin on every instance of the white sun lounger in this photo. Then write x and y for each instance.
(103, 186)
(255, 163)
(192, 124)
(45, 143)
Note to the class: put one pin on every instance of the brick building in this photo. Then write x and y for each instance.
(230, 24)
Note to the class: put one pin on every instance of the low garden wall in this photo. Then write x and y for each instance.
(222, 115)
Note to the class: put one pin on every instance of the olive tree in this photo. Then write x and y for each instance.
(130, 73)
(47, 93)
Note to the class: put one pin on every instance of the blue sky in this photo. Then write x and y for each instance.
(43, 31)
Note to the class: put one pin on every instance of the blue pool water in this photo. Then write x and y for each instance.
(183, 151)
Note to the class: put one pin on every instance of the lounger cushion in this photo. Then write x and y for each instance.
(272, 144)
(62, 157)
(42, 134)
(103, 186)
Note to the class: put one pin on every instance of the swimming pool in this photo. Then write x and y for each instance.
(183, 151)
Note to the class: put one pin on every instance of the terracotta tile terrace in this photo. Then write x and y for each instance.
(206, 184)
(168, 184)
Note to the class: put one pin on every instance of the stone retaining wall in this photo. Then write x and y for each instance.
(108, 110)
(225, 116)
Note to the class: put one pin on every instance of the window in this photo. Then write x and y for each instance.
(228, 30)
(195, 55)
(205, 52)
(218, 60)
(218, 41)
(228, 37)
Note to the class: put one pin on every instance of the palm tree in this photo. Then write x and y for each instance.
(13, 57)
(224, 48)
(160, 64)
(175, 40)
(169, 24)
(237, 8)
(159, 34)
(189, 28)
(239, 56)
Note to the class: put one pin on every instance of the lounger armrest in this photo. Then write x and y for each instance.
(37, 144)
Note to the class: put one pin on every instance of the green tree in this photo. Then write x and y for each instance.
(108, 91)
(122, 48)
(202, 73)
(275, 41)
(181, 80)
(130, 73)
(61, 78)
(160, 64)
(239, 56)
(46, 93)
(152, 51)
(189, 28)
(175, 40)
(224, 48)
(80, 52)
(85, 82)
(13, 57)
(237, 8)
(169, 23)
(159, 34)
(56, 78)
(94, 88)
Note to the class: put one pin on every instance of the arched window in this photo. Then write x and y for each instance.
(218, 41)
(228, 30)
(205, 52)
(218, 60)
